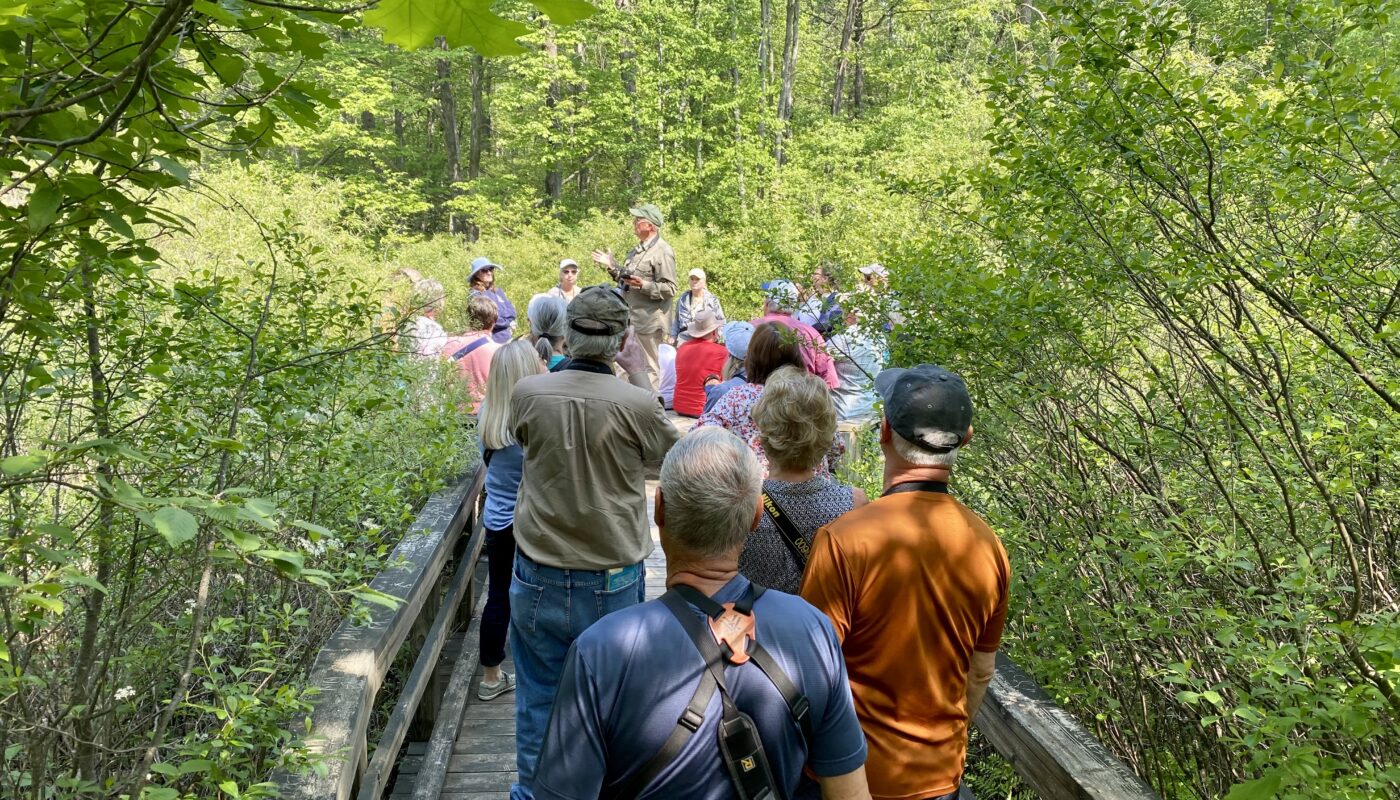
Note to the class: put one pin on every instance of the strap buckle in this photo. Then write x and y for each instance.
(691, 720)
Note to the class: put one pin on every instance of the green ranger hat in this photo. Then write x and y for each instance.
(648, 212)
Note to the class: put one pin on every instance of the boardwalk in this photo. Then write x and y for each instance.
(483, 759)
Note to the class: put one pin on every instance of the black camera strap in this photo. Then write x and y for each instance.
(787, 531)
(736, 728)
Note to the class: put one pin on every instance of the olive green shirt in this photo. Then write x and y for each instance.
(587, 438)
(655, 263)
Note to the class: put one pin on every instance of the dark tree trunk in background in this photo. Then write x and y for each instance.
(480, 124)
(447, 106)
(843, 56)
(627, 67)
(553, 179)
(367, 120)
(785, 99)
(765, 59)
(399, 162)
(858, 72)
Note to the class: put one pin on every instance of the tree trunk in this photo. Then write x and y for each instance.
(399, 138)
(843, 57)
(794, 8)
(553, 179)
(627, 68)
(858, 73)
(480, 123)
(765, 59)
(447, 103)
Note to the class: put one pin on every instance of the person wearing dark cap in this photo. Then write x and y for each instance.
(648, 280)
(581, 518)
(941, 603)
(482, 280)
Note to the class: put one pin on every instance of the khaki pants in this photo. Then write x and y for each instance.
(651, 343)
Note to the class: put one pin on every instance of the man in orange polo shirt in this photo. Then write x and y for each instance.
(916, 587)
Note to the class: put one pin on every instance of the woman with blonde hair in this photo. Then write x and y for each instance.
(796, 422)
(504, 463)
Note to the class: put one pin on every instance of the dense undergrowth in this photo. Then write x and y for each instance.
(1159, 238)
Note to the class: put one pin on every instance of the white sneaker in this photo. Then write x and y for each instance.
(490, 691)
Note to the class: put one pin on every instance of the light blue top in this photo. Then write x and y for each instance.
(502, 484)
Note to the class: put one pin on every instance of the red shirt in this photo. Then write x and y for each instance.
(696, 359)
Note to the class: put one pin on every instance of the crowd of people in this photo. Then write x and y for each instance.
(812, 641)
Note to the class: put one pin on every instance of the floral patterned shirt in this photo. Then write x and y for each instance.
(734, 413)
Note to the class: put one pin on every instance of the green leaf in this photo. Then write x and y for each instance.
(1258, 789)
(317, 532)
(196, 765)
(413, 24)
(289, 564)
(410, 24)
(42, 601)
(175, 524)
(173, 167)
(23, 464)
(43, 207)
(8, 581)
(243, 540)
(565, 12)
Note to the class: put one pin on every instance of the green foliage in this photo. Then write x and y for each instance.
(413, 24)
(1173, 282)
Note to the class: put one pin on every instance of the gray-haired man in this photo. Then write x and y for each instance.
(580, 522)
(639, 712)
(648, 278)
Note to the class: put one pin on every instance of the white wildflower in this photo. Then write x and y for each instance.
(125, 693)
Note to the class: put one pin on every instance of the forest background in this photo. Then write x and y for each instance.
(1159, 239)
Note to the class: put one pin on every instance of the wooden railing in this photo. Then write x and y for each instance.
(351, 667)
(1050, 751)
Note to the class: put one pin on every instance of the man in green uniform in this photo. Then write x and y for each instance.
(648, 280)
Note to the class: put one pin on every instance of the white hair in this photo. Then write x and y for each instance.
(710, 482)
(547, 315)
(775, 306)
(427, 295)
(601, 347)
(919, 457)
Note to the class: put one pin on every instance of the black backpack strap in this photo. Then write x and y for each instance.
(796, 543)
(797, 703)
(690, 721)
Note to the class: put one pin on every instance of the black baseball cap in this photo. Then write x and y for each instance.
(927, 405)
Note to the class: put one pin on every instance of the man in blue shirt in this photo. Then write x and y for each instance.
(630, 677)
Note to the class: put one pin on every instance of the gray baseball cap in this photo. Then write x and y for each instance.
(927, 405)
(599, 311)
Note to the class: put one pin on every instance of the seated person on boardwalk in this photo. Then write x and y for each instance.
(581, 518)
(700, 356)
(796, 424)
(858, 356)
(424, 336)
(823, 309)
(568, 287)
(916, 586)
(736, 343)
(780, 302)
(770, 347)
(482, 280)
(472, 351)
(504, 461)
(691, 303)
(546, 315)
(631, 677)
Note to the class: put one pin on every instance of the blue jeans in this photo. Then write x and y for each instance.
(549, 608)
